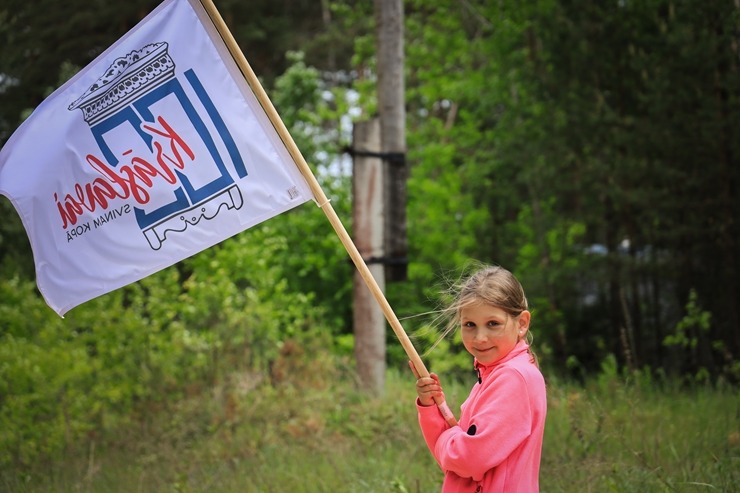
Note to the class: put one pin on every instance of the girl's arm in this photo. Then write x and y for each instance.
(431, 421)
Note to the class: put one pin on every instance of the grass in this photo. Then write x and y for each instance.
(313, 435)
(623, 438)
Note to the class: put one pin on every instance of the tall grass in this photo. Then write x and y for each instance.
(612, 436)
(312, 434)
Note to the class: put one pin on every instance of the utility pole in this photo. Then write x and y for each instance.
(379, 195)
(367, 229)
(389, 19)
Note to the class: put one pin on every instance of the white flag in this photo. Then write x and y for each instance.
(155, 151)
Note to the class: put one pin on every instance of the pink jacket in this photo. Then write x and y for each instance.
(497, 444)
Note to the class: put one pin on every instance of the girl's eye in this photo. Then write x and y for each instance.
(468, 324)
(493, 323)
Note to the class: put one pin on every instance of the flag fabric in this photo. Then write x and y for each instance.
(155, 151)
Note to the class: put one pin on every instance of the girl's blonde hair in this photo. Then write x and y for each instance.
(493, 285)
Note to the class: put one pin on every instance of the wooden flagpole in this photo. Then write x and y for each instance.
(320, 197)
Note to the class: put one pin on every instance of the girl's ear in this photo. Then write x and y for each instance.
(524, 318)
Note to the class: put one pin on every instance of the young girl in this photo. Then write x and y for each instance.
(497, 443)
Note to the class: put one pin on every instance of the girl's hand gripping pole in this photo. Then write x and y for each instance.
(444, 409)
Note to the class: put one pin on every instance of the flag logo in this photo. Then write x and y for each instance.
(121, 100)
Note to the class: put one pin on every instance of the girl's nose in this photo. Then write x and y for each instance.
(480, 335)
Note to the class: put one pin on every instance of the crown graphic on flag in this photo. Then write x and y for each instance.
(125, 80)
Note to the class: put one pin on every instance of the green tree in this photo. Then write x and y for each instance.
(581, 128)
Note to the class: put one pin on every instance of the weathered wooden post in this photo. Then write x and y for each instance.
(367, 228)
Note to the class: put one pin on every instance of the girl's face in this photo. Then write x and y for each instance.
(489, 333)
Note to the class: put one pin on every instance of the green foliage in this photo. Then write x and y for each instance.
(122, 354)
(574, 127)
(695, 322)
(444, 356)
(31, 419)
(696, 326)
